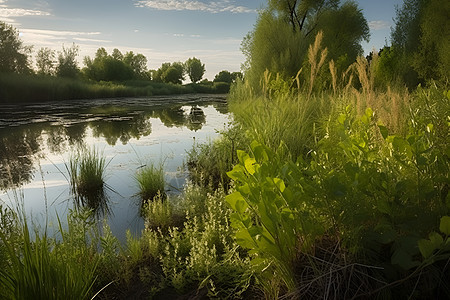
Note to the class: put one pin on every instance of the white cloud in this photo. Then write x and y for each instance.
(91, 40)
(8, 13)
(379, 25)
(194, 5)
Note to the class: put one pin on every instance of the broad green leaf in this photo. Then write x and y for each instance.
(237, 202)
(244, 239)
(383, 130)
(242, 156)
(280, 184)
(259, 152)
(444, 225)
(369, 112)
(249, 165)
(238, 173)
(426, 248)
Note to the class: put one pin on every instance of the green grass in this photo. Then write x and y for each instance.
(87, 171)
(150, 180)
(39, 267)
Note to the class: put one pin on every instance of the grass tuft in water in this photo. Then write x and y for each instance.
(87, 179)
(151, 181)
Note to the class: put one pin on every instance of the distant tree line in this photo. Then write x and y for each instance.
(104, 66)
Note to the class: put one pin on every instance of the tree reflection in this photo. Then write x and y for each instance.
(56, 129)
(17, 149)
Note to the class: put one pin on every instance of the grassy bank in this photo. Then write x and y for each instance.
(336, 194)
(31, 88)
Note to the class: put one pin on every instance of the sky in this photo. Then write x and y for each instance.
(162, 30)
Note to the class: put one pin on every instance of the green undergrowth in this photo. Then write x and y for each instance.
(32, 88)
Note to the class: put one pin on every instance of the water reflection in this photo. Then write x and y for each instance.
(26, 132)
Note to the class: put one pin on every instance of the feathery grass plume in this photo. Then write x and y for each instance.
(313, 52)
(362, 69)
(297, 81)
(151, 181)
(333, 72)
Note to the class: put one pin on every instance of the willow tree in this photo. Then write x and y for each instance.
(285, 29)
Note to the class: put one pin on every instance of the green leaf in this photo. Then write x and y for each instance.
(249, 165)
(436, 239)
(383, 130)
(280, 184)
(444, 226)
(426, 248)
(238, 173)
(242, 156)
(237, 202)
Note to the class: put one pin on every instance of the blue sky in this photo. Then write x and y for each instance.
(162, 30)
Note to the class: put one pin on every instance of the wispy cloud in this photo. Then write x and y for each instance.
(7, 12)
(194, 5)
(379, 25)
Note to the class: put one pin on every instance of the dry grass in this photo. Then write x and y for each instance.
(316, 65)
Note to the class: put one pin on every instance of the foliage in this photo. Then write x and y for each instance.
(223, 76)
(208, 163)
(418, 44)
(14, 56)
(376, 193)
(169, 73)
(45, 61)
(194, 69)
(107, 67)
(284, 30)
(67, 63)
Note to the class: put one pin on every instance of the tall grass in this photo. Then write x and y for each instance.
(150, 180)
(42, 268)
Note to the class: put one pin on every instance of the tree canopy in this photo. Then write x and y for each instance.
(14, 56)
(285, 29)
(194, 69)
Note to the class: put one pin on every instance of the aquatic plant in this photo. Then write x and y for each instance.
(150, 179)
(87, 170)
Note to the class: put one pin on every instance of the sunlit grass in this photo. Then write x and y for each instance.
(150, 180)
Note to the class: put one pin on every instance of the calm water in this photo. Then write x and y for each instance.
(36, 140)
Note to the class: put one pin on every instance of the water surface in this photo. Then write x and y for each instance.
(37, 140)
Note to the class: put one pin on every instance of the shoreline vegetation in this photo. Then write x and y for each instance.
(332, 182)
(16, 88)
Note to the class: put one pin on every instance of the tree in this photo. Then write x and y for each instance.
(169, 73)
(194, 69)
(137, 62)
(67, 63)
(420, 41)
(45, 61)
(13, 54)
(223, 76)
(285, 29)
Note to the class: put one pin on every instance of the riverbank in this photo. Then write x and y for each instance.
(32, 88)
